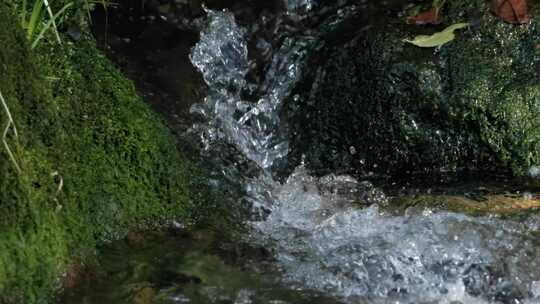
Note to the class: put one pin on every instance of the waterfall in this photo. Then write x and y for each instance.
(321, 237)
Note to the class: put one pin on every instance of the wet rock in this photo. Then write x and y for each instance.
(472, 104)
(135, 238)
(168, 278)
(492, 201)
(345, 190)
(76, 273)
(144, 295)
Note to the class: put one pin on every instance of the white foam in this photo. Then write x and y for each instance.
(418, 256)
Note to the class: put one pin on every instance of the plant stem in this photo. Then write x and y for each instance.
(53, 21)
(10, 123)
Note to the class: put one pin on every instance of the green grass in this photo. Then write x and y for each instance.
(38, 17)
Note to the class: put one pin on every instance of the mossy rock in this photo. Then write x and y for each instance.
(94, 161)
(379, 106)
(500, 204)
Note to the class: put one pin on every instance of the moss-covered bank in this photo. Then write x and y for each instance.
(94, 161)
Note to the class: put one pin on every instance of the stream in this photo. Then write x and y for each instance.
(311, 238)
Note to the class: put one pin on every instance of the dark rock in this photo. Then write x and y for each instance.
(376, 106)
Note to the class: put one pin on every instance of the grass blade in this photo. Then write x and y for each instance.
(34, 19)
(23, 14)
(49, 24)
(48, 7)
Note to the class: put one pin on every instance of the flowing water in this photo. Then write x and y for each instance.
(322, 238)
(331, 235)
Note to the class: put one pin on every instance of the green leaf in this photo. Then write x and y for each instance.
(439, 38)
(34, 19)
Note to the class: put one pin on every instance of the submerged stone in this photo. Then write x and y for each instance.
(471, 104)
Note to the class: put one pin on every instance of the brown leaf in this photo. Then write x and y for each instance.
(511, 11)
(430, 16)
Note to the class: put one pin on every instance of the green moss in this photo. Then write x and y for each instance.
(492, 83)
(95, 160)
(471, 105)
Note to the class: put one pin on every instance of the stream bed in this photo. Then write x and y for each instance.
(196, 267)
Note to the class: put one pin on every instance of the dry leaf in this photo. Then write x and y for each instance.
(428, 17)
(511, 11)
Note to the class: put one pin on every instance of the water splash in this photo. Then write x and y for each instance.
(422, 255)
(221, 54)
(253, 128)
(300, 6)
(330, 233)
